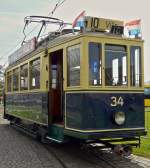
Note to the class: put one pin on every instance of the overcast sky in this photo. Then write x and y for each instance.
(12, 13)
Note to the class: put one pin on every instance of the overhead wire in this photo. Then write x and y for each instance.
(34, 28)
(61, 3)
(54, 9)
(58, 4)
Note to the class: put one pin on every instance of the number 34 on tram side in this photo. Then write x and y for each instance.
(85, 85)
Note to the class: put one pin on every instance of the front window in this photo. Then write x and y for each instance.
(73, 65)
(135, 72)
(95, 64)
(115, 65)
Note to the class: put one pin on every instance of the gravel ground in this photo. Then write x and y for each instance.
(18, 150)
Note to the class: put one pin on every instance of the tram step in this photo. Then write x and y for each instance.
(55, 140)
(56, 133)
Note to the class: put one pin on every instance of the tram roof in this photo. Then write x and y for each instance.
(71, 36)
(50, 42)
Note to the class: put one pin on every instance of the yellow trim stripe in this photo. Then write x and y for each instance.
(108, 130)
(147, 102)
(105, 91)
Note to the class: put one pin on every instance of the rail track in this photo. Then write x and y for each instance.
(73, 155)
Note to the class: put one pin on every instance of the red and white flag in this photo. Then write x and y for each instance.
(134, 27)
(79, 21)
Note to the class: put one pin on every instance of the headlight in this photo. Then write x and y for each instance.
(119, 117)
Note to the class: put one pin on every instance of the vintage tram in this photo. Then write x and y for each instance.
(85, 85)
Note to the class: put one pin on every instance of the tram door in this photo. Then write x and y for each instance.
(56, 87)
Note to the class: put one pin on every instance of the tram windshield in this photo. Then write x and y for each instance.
(115, 65)
(95, 64)
(135, 67)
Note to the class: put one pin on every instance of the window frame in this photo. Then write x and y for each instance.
(17, 68)
(21, 87)
(140, 66)
(80, 48)
(127, 64)
(9, 74)
(100, 65)
(30, 75)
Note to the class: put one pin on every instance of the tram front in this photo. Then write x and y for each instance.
(110, 101)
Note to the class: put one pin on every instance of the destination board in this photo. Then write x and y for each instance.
(101, 24)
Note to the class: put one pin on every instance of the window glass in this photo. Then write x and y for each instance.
(24, 77)
(136, 76)
(16, 79)
(95, 64)
(35, 74)
(9, 81)
(54, 81)
(115, 65)
(73, 61)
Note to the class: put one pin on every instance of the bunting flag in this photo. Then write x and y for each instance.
(79, 21)
(134, 27)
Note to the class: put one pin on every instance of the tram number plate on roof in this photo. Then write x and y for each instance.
(104, 25)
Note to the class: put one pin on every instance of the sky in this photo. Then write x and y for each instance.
(12, 13)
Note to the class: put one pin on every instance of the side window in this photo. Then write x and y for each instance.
(135, 72)
(9, 81)
(73, 65)
(15, 79)
(95, 64)
(35, 74)
(24, 77)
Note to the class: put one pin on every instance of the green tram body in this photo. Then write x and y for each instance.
(70, 88)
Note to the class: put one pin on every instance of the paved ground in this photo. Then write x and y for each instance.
(20, 151)
(2, 121)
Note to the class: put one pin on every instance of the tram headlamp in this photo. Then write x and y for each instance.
(119, 117)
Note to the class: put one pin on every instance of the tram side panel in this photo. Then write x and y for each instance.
(30, 106)
(94, 112)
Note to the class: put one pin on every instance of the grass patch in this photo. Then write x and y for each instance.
(144, 150)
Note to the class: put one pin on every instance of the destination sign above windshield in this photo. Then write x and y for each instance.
(103, 25)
